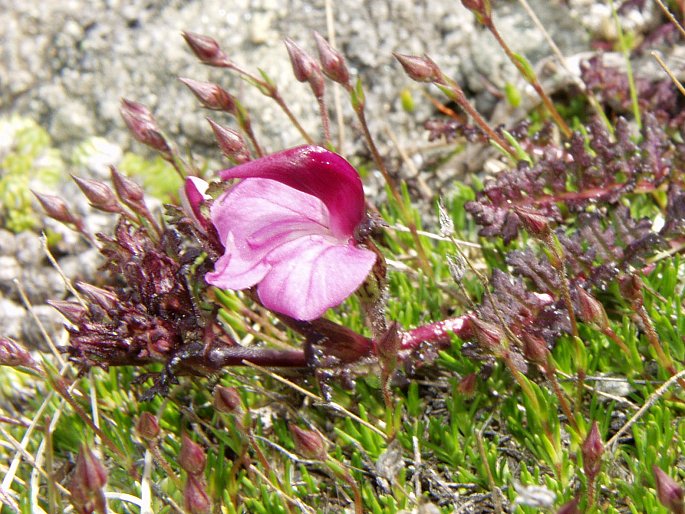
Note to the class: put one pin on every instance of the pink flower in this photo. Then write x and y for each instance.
(288, 228)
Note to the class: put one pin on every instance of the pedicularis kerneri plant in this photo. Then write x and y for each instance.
(272, 262)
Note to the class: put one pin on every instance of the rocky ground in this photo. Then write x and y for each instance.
(67, 64)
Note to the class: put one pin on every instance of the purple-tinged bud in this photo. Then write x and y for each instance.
(227, 400)
(305, 68)
(303, 64)
(231, 143)
(212, 96)
(73, 311)
(143, 126)
(467, 385)
(56, 208)
(99, 194)
(388, 346)
(420, 69)
(631, 287)
(105, 299)
(535, 349)
(207, 50)
(13, 354)
(591, 310)
(570, 507)
(669, 492)
(148, 426)
(192, 457)
(309, 443)
(489, 336)
(534, 222)
(332, 61)
(87, 482)
(130, 192)
(592, 450)
(195, 496)
(481, 8)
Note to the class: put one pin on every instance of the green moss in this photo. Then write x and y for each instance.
(158, 177)
(28, 161)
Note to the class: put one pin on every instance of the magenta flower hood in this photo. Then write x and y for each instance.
(288, 228)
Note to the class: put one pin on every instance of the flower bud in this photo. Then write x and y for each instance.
(456, 264)
(13, 354)
(99, 194)
(535, 223)
(207, 50)
(305, 68)
(489, 336)
(592, 450)
(481, 8)
(130, 192)
(105, 299)
(388, 346)
(212, 96)
(143, 126)
(148, 426)
(227, 400)
(445, 220)
(73, 311)
(332, 61)
(87, 482)
(570, 507)
(668, 491)
(631, 287)
(309, 443)
(591, 310)
(302, 62)
(55, 207)
(192, 457)
(467, 385)
(535, 349)
(195, 496)
(231, 143)
(420, 69)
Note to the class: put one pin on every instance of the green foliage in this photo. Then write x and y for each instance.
(27, 160)
(435, 439)
(158, 177)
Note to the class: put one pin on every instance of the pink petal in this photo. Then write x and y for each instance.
(311, 274)
(318, 172)
(192, 195)
(255, 217)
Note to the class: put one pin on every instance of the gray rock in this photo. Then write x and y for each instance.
(29, 252)
(9, 270)
(42, 284)
(7, 243)
(82, 266)
(11, 318)
(69, 63)
(52, 322)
